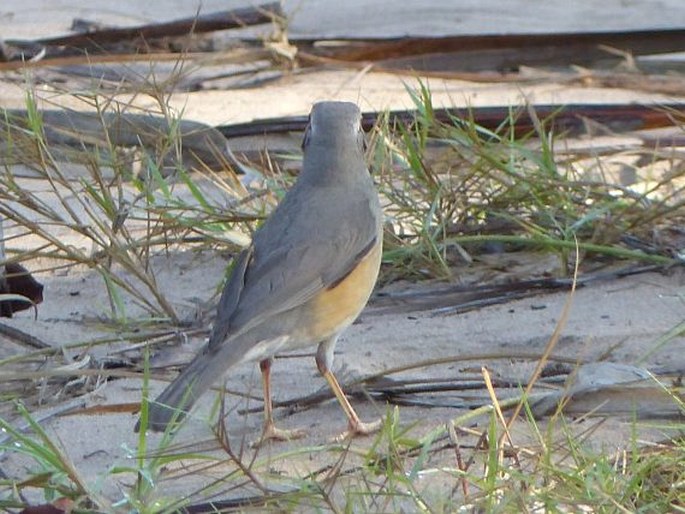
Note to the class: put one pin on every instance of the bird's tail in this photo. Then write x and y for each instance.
(180, 396)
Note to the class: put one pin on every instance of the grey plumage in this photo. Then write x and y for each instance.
(324, 226)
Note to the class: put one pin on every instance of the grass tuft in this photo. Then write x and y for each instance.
(454, 189)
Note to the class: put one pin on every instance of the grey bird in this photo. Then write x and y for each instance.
(307, 275)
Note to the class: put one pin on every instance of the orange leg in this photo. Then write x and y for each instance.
(324, 358)
(270, 431)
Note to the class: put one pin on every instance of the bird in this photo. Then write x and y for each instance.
(306, 276)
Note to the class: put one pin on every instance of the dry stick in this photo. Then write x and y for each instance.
(456, 299)
(96, 59)
(654, 81)
(568, 118)
(22, 337)
(454, 440)
(318, 397)
(307, 59)
(500, 417)
(63, 371)
(66, 372)
(221, 20)
(201, 144)
(500, 51)
(460, 358)
(151, 338)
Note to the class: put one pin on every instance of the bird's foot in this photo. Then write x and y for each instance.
(271, 433)
(360, 428)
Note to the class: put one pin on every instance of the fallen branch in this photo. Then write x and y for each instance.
(98, 41)
(201, 145)
(495, 52)
(569, 119)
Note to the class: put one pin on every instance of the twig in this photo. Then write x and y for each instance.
(353, 388)
(23, 338)
(454, 440)
(456, 299)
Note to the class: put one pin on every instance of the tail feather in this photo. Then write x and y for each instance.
(180, 396)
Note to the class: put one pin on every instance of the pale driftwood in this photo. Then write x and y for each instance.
(612, 389)
(201, 144)
(502, 52)
(568, 119)
(100, 41)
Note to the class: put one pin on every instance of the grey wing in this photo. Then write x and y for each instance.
(292, 262)
(230, 297)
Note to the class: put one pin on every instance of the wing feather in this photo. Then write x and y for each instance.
(289, 263)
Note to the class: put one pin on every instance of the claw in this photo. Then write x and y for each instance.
(271, 433)
(359, 429)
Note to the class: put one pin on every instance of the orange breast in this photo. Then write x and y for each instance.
(335, 309)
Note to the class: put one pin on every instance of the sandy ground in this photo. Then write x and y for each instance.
(619, 320)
